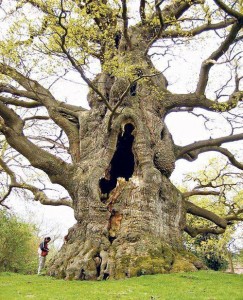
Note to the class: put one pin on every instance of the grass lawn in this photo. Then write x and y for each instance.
(199, 285)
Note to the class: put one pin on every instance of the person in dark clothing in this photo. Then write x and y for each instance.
(43, 251)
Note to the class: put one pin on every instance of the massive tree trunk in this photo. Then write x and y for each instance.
(130, 217)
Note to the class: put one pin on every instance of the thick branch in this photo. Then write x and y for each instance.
(72, 107)
(30, 95)
(38, 194)
(227, 220)
(193, 232)
(52, 105)
(206, 214)
(177, 8)
(12, 127)
(199, 192)
(207, 144)
(142, 11)
(194, 100)
(8, 171)
(197, 30)
(235, 216)
(20, 103)
(43, 199)
(36, 118)
(125, 23)
(192, 155)
(170, 13)
(20, 93)
(229, 10)
(38, 92)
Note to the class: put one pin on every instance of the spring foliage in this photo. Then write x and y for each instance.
(18, 247)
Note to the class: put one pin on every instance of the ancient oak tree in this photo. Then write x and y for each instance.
(115, 158)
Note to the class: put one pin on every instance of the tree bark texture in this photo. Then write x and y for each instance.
(130, 217)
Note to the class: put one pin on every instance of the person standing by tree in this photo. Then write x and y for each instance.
(43, 251)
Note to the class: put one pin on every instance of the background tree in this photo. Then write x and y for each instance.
(114, 160)
(19, 244)
(216, 250)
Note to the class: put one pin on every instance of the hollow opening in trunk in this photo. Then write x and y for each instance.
(122, 163)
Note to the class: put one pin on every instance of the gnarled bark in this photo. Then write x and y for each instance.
(130, 217)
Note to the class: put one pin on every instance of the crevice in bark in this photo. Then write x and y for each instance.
(122, 163)
(97, 260)
(162, 134)
(114, 224)
(133, 89)
(118, 36)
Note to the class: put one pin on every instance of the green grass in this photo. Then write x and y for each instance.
(199, 285)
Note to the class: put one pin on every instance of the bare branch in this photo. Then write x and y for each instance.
(30, 95)
(8, 171)
(20, 93)
(208, 63)
(176, 9)
(43, 199)
(39, 195)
